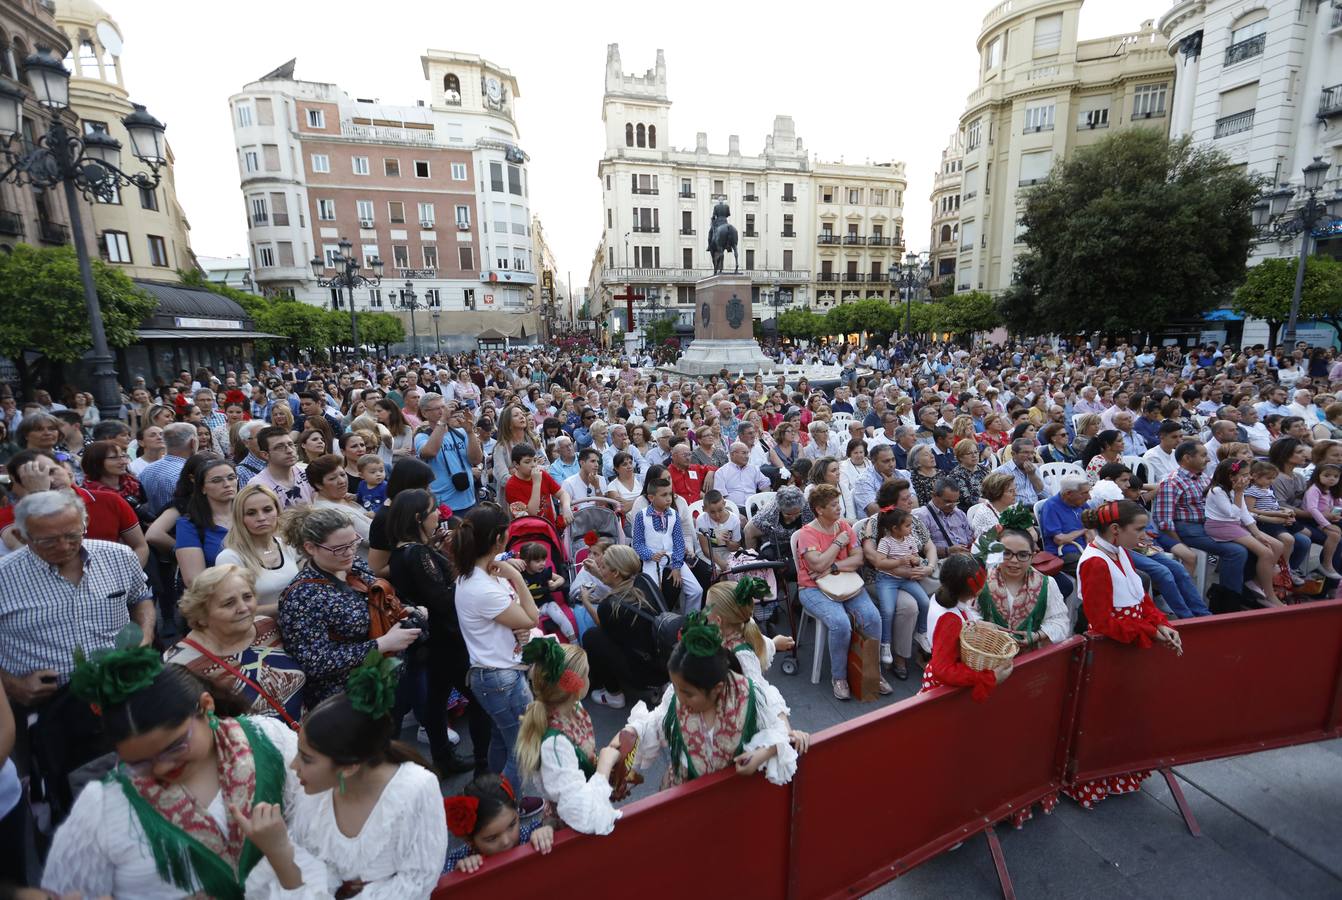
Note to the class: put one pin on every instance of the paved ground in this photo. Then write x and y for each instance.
(1272, 826)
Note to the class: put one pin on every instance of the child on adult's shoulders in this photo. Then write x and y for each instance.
(534, 490)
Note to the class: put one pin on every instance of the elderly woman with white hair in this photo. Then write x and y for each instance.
(660, 455)
(822, 442)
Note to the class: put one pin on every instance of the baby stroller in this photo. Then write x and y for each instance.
(534, 529)
(594, 519)
(749, 562)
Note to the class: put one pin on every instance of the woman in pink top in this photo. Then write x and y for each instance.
(1323, 501)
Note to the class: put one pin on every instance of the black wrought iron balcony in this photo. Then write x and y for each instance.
(789, 234)
(1330, 103)
(853, 239)
(647, 229)
(878, 240)
(1234, 124)
(877, 278)
(54, 233)
(10, 222)
(852, 276)
(751, 233)
(789, 198)
(827, 276)
(687, 231)
(687, 195)
(645, 190)
(1246, 49)
(750, 198)
(827, 237)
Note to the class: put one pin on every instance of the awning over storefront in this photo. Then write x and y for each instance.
(158, 334)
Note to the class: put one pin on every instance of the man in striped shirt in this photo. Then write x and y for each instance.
(1179, 513)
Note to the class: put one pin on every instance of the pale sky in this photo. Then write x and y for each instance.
(862, 80)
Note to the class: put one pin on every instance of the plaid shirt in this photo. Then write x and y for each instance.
(159, 480)
(43, 617)
(1180, 499)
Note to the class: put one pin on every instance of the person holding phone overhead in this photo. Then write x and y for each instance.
(451, 449)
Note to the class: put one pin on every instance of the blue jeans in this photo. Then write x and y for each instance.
(504, 694)
(835, 617)
(1233, 557)
(1317, 536)
(1300, 552)
(887, 598)
(1170, 579)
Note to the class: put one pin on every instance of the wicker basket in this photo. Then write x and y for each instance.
(984, 646)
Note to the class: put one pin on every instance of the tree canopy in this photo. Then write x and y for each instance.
(1269, 286)
(1133, 230)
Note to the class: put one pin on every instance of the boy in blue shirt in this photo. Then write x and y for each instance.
(373, 491)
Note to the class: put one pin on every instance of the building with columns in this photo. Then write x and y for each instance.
(809, 233)
(1261, 82)
(142, 232)
(944, 245)
(1042, 94)
(437, 190)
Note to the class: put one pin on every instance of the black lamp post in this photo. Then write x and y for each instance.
(1271, 220)
(437, 339)
(347, 278)
(410, 301)
(87, 165)
(911, 277)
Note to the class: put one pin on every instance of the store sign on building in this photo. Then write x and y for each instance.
(188, 322)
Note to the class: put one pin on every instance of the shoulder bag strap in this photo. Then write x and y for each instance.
(238, 674)
(936, 518)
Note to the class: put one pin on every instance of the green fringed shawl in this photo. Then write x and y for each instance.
(988, 609)
(185, 862)
(584, 761)
(675, 740)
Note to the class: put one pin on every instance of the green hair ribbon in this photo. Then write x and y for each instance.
(371, 687)
(699, 636)
(549, 655)
(1018, 516)
(109, 677)
(749, 589)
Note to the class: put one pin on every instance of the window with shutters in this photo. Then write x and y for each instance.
(1039, 116)
(1047, 34)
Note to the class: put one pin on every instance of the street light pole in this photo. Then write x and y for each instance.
(347, 277)
(437, 338)
(87, 166)
(410, 301)
(1269, 217)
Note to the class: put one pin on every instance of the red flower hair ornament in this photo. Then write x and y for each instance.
(570, 682)
(590, 538)
(461, 815)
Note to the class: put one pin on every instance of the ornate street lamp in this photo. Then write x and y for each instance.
(437, 338)
(912, 277)
(1271, 220)
(87, 165)
(410, 301)
(347, 277)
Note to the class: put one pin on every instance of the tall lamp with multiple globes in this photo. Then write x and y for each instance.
(912, 276)
(410, 301)
(87, 165)
(347, 277)
(1271, 219)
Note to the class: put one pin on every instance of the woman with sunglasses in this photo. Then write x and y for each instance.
(166, 822)
(324, 616)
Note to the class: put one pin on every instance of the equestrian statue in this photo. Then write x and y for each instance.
(722, 237)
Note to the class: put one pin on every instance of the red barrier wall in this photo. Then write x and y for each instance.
(1246, 682)
(734, 828)
(919, 776)
(876, 796)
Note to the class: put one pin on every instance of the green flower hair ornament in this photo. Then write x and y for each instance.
(1017, 516)
(371, 687)
(549, 655)
(749, 589)
(699, 636)
(109, 677)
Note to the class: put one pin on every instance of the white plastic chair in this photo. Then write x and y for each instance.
(821, 645)
(697, 507)
(839, 421)
(757, 502)
(1051, 473)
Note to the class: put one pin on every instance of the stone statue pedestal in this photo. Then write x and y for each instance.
(723, 329)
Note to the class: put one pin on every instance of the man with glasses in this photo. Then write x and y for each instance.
(276, 446)
(582, 435)
(452, 449)
(1024, 459)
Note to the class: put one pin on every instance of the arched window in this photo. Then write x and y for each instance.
(452, 86)
(652, 135)
(945, 234)
(89, 65)
(628, 134)
(642, 135)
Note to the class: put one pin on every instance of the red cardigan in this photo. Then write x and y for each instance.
(946, 664)
(1097, 593)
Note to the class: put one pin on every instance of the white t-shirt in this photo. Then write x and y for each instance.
(731, 529)
(481, 597)
(270, 583)
(578, 489)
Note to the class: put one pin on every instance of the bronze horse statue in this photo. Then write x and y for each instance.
(722, 237)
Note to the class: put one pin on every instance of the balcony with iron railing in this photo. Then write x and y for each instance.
(687, 195)
(877, 278)
(1246, 49)
(827, 277)
(878, 240)
(53, 232)
(1239, 122)
(10, 222)
(1330, 102)
(751, 233)
(651, 191)
(380, 134)
(853, 277)
(850, 240)
(789, 198)
(750, 198)
(687, 231)
(637, 275)
(827, 237)
(647, 229)
(789, 234)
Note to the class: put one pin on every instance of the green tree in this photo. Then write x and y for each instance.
(968, 313)
(1269, 286)
(840, 320)
(43, 301)
(382, 329)
(658, 331)
(1132, 232)
(875, 317)
(800, 324)
(927, 318)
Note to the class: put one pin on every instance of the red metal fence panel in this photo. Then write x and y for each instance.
(1246, 682)
(881, 794)
(733, 829)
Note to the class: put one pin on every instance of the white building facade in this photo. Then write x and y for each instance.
(944, 243)
(809, 233)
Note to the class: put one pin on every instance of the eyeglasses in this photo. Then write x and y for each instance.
(45, 543)
(222, 479)
(172, 751)
(342, 550)
(1021, 555)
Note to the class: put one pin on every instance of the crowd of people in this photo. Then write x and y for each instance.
(220, 609)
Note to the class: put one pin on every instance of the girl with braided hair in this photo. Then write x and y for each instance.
(556, 744)
(172, 819)
(370, 812)
(712, 716)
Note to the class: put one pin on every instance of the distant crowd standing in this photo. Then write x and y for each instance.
(219, 610)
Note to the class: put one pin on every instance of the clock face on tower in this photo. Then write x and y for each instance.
(493, 89)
